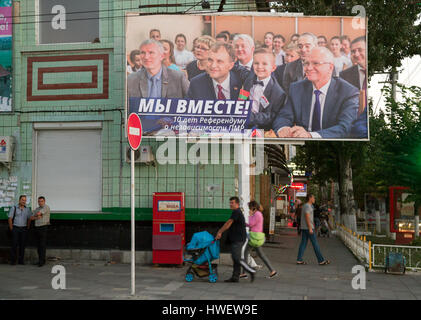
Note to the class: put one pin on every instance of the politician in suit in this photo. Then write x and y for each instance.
(155, 80)
(320, 106)
(219, 81)
(294, 71)
(356, 75)
(265, 93)
(243, 47)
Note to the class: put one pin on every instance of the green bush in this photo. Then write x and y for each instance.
(416, 242)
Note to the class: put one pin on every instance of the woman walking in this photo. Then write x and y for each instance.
(256, 238)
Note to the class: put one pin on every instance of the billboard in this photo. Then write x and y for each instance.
(6, 55)
(248, 75)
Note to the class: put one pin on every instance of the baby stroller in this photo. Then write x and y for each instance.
(324, 230)
(203, 249)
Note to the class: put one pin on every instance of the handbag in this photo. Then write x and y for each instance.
(256, 239)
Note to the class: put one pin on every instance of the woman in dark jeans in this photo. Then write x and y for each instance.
(298, 217)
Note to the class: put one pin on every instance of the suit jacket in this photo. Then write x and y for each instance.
(278, 74)
(359, 128)
(174, 83)
(276, 97)
(293, 72)
(352, 75)
(201, 87)
(340, 108)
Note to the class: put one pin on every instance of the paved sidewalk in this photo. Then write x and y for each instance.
(297, 282)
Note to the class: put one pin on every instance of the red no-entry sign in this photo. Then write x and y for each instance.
(134, 131)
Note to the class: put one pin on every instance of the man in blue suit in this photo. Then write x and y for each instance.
(320, 106)
(356, 75)
(219, 82)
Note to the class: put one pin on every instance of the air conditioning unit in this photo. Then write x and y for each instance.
(7, 144)
(142, 155)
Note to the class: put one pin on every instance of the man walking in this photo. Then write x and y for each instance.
(236, 226)
(308, 231)
(42, 221)
(19, 222)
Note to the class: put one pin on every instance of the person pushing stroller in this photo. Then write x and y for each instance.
(236, 226)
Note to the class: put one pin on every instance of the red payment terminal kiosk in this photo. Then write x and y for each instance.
(168, 232)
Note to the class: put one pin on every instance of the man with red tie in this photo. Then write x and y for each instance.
(219, 82)
(356, 76)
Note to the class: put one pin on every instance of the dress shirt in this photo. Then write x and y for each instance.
(362, 75)
(45, 216)
(256, 94)
(19, 216)
(225, 87)
(322, 99)
(248, 65)
(279, 60)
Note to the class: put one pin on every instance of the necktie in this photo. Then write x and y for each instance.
(154, 88)
(257, 82)
(315, 123)
(221, 95)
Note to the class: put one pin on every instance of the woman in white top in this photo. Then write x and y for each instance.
(182, 56)
(341, 62)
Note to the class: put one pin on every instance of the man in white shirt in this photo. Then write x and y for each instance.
(278, 44)
(41, 215)
(244, 48)
(319, 106)
(346, 46)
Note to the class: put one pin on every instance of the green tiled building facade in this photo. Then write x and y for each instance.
(82, 84)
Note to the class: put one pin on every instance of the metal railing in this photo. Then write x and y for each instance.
(374, 255)
(357, 244)
(412, 255)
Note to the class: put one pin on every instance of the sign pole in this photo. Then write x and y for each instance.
(133, 257)
(134, 135)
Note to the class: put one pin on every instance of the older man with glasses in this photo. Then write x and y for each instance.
(321, 106)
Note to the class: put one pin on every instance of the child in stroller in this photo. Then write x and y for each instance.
(324, 230)
(203, 249)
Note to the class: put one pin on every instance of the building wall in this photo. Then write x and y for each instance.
(43, 95)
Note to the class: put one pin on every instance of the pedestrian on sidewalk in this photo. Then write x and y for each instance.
(256, 238)
(298, 217)
(308, 232)
(19, 223)
(41, 215)
(236, 226)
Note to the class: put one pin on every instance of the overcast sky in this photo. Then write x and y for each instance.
(409, 75)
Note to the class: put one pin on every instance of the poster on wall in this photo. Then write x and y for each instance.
(248, 75)
(5, 55)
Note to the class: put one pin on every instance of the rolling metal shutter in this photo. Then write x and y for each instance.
(68, 169)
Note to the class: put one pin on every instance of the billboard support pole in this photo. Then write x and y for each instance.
(243, 153)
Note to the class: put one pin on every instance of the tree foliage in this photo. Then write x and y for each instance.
(392, 30)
